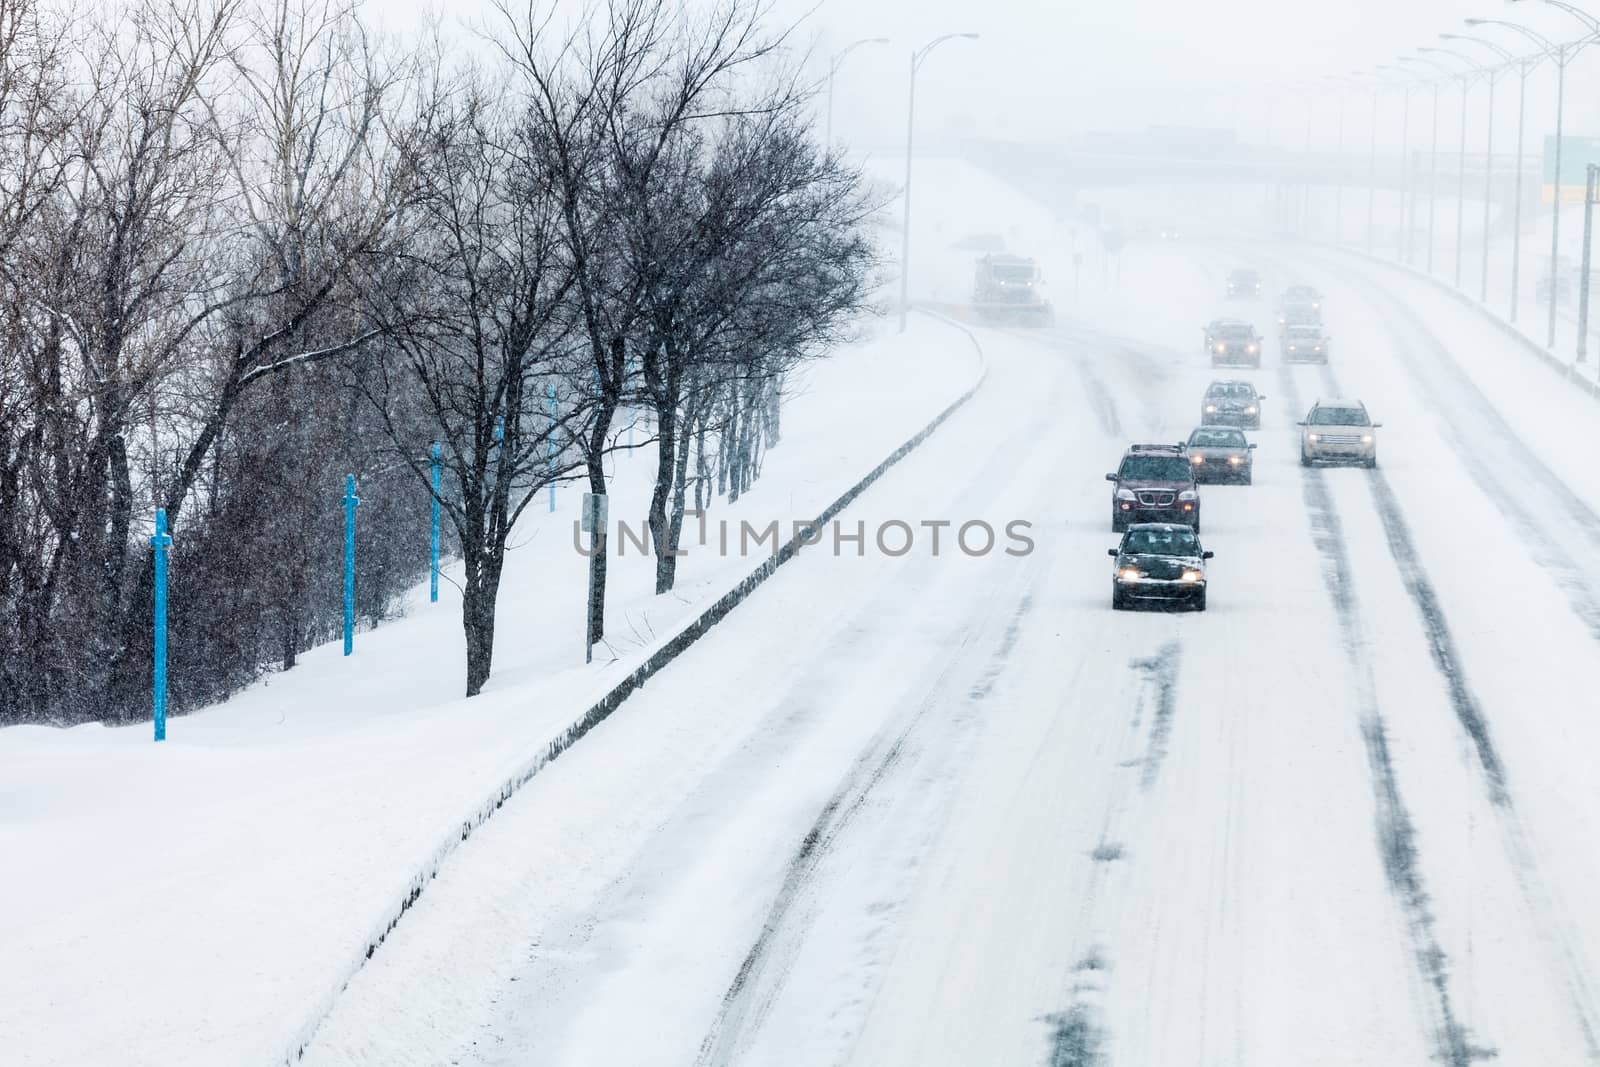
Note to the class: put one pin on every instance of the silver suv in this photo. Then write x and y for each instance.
(1339, 430)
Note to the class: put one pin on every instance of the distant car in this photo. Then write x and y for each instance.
(1154, 483)
(1339, 430)
(1231, 342)
(1299, 314)
(1302, 294)
(1169, 233)
(1231, 402)
(1221, 454)
(1303, 343)
(1159, 563)
(1244, 282)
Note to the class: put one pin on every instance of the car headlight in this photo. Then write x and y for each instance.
(1188, 494)
(1211, 409)
(1311, 437)
(1192, 576)
(1129, 574)
(1235, 460)
(1366, 439)
(1125, 494)
(1318, 348)
(1197, 460)
(1291, 348)
(1222, 348)
(1250, 411)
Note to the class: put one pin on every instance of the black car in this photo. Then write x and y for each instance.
(1221, 454)
(1244, 282)
(1231, 402)
(1159, 563)
(1232, 342)
(1154, 483)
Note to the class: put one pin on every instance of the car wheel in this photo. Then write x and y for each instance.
(1371, 464)
(1305, 460)
(1200, 601)
(1118, 601)
(1249, 477)
(1118, 526)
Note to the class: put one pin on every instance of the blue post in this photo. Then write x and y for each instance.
(552, 446)
(433, 555)
(350, 502)
(160, 542)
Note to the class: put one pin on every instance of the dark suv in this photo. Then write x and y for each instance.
(1154, 483)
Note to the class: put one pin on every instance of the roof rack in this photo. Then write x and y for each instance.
(1181, 446)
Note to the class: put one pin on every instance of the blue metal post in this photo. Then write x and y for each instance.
(350, 502)
(160, 542)
(433, 554)
(552, 446)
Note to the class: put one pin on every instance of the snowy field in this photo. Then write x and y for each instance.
(932, 808)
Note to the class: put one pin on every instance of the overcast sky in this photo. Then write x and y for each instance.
(1044, 69)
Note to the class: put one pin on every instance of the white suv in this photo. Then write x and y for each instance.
(1339, 430)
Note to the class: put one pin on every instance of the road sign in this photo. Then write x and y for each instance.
(1576, 155)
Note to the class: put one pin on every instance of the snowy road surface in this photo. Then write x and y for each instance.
(953, 810)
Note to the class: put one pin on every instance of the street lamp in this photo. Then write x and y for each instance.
(1523, 67)
(1406, 86)
(911, 116)
(1561, 54)
(1473, 68)
(1433, 163)
(833, 68)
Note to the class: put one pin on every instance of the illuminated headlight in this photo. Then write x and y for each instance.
(1197, 460)
(1222, 348)
(1211, 409)
(1192, 576)
(1188, 494)
(1129, 574)
(1235, 460)
(1250, 348)
(1366, 439)
(1250, 411)
(1292, 348)
(1311, 437)
(1317, 349)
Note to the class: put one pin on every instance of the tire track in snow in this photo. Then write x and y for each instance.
(1547, 913)
(1160, 676)
(763, 971)
(1396, 833)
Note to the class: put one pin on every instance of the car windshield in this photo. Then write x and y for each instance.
(1231, 391)
(1305, 333)
(1234, 332)
(1244, 276)
(1163, 541)
(1016, 272)
(1300, 292)
(1339, 417)
(1155, 469)
(1208, 438)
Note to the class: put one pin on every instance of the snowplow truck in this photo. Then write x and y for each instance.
(1009, 290)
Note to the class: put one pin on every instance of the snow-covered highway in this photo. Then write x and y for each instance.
(954, 810)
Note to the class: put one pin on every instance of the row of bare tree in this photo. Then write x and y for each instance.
(245, 248)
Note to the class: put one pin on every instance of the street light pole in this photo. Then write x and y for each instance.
(1473, 68)
(833, 68)
(1433, 164)
(911, 117)
(1522, 68)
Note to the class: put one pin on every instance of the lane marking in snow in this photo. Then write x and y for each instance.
(1159, 676)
